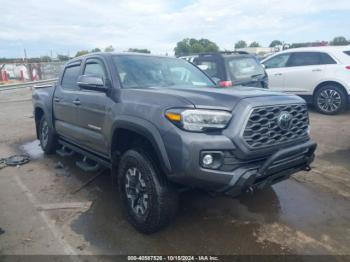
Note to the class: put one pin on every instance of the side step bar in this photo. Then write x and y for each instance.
(100, 160)
(64, 152)
(87, 165)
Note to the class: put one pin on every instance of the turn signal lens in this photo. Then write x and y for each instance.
(173, 116)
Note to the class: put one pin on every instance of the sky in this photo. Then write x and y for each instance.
(66, 26)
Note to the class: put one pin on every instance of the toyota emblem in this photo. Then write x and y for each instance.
(284, 120)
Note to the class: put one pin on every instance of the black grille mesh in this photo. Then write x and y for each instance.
(262, 129)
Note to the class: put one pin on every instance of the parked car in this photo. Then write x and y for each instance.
(321, 75)
(162, 125)
(231, 68)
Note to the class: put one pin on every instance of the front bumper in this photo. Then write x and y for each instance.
(257, 173)
(278, 167)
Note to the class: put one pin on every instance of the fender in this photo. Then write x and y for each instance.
(335, 80)
(48, 115)
(146, 129)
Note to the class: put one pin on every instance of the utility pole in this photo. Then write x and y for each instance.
(25, 56)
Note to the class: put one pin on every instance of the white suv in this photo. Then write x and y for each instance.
(321, 75)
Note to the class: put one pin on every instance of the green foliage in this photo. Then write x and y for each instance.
(137, 50)
(82, 52)
(275, 43)
(240, 44)
(254, 44)
(109, 49)
(62, 57)
(193, 46)
(298, 45)
(95, 50)
(340, 40)
(45, 58)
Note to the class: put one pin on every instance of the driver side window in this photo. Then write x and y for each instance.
(95, 68)
(277, 61)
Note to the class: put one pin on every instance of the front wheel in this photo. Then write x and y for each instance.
(148, 198)
(48, 140)
(330, 100)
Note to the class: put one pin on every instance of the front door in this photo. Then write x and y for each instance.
(92, 110)
(276, 67)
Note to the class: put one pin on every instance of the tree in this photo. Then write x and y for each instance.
(276, 43)
(109, 49)
(62, 57)
(340, 40)
(45, 58)
(240, 44)
(95, 50)
(254, 44)
(81, 52)
(193, 46)
(137, 50)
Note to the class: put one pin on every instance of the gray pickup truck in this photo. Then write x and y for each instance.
(161, 125)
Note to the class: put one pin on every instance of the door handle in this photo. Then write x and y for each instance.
(77, 102)
(317, 70)
(57, 99)
(278, 74)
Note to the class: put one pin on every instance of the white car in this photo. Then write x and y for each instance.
(321, 75)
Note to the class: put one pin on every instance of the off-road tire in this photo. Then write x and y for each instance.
(48, 144)
(162, 195)
(335, 92)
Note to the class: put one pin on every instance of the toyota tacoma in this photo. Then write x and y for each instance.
(161, 125)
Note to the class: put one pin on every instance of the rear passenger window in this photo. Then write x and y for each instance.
(70, 77)
(347, 53)
(305, 59)
(327, 59)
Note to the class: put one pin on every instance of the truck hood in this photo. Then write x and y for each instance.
(218, 97)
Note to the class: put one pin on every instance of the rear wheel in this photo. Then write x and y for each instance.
(48, 140)
(149, 199)
(330, 100)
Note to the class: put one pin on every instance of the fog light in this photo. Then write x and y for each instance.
(207, 160)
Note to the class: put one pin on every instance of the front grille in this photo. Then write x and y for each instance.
(263, 128)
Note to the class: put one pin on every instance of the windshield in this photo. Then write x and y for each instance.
(245, 67)
(136, 71)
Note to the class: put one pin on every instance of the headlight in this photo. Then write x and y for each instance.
(199, 120)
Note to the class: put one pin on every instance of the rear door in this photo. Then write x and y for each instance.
(305, 71)
(65, 103)
(92, 109)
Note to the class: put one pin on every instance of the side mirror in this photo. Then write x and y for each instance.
(264, 66)
(90, 82)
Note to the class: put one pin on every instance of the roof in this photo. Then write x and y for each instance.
(108, 54)
(317, 48)
(223, 54)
